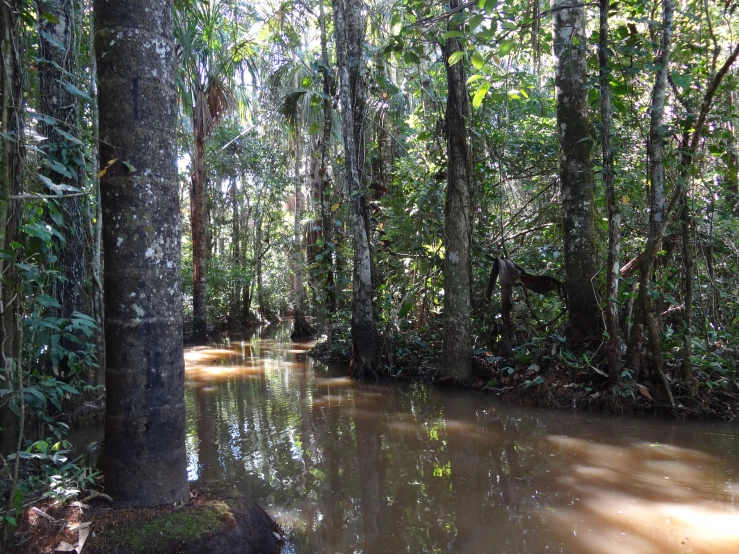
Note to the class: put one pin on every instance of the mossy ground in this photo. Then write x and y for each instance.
(219, 519)
(176, 526)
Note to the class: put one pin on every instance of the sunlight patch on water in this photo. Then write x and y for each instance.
(646, 498)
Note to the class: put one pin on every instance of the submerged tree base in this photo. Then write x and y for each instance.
(302, 330)
(219, 519)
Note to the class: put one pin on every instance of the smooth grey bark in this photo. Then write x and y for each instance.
(301, 327)
(657, 207)
(613, 326)
(350, 25)
(570, 75)
(456, 357)
(145, 459)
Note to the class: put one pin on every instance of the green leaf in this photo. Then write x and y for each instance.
(130, 167)
(47, 301)
(56, 43)
(58, 167)
(70, 138)
(506, 46)
(55, 188)
(480, 94)
(36, 394)
(50, 17)
(410, 57)
(314, 128)
(453, 34)
(74, 90)
(477, 60)
(475, 21)
(405, 309)
(37, 230)
(681, 81)
(490, 6)
(474, 78)
(455, 57)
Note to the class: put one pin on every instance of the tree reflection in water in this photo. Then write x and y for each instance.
(349, 467)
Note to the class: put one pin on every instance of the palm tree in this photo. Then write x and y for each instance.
(216, 57)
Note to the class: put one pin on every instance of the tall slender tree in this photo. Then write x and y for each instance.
(350, 23)
(614, 213)
(456, 360)
(214, 52)
(576, 179)
(145, 457)
(301, 328)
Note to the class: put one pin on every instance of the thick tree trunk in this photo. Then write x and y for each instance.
(145, 458)
(614, 213)
(350, 28)
(570, 70)
(197, 226)
(456, 358)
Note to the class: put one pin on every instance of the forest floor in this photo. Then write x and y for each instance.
(545, 380)
(217, 519)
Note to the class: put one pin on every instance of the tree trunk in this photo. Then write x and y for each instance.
(350, 28)
(258, 269)
(145, 458)
(657, 200)
(57, 49)
(570, 76)
(197, 226)
(96, 226)
(327, 223)
(732, 164)
(614, 213)
(456, 358)
(301, 328)
(236, 246)
(11, 163)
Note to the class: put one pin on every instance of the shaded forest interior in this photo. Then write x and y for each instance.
(536, 200)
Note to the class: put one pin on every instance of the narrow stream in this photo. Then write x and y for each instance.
(347, 468)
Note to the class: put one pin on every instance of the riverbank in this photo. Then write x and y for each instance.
(546, 375)
(217, 519)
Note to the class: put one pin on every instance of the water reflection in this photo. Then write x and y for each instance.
(348, 467)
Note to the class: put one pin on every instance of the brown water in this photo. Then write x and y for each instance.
(346, 467)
